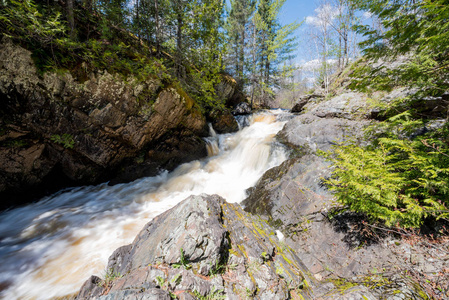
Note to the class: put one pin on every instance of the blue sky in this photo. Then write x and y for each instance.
(298, 10)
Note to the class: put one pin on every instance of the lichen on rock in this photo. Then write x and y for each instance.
(223, 249)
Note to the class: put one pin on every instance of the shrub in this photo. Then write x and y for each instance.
(396, 179)
(66, 140)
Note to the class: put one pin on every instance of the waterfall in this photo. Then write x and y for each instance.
(49, 248)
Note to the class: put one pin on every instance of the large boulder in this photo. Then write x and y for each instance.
(203, 247)
(229, 91)
(299, 191)
(303, 100)
(206, 248)
(309, 133)
(223, 121)
(243, 108)
(56, 131)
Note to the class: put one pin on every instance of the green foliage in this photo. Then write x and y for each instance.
(402, 176)
(165, 284)
(201, 86)
(397, 179)
(16, 143)
(66, 140)
(215, 294)
(418, 30)
(109, 277)
(183, 262)
(111, 43)
(259, 46)
(25, 20)
(217, 268)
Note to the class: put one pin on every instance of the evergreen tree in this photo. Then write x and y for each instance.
(275, 44)
(418, 29)
(402, 176)
(238, 22)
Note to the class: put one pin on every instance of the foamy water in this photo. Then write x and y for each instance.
(49, 248)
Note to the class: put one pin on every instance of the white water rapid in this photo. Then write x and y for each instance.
(49, 248)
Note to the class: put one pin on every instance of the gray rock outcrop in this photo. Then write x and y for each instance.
(204, 246)
(223, 121)
(336, 245)
(303, 100)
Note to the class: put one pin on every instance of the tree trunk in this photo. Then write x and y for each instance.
(241, 55)
(71, 18)
(237, 67)
(179, 38)
(137, 18)
(158, 41)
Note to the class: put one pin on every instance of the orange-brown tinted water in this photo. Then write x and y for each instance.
(48, 249)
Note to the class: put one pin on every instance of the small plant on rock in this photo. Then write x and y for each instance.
(183, 262)
(215, 294)
(66, 140)
(109, 276)
(164, 284)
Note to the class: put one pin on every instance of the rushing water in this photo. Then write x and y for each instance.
(49, 248)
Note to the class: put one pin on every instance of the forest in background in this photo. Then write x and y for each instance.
(189, 41)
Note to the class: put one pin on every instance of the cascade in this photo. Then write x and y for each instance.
(49, 248)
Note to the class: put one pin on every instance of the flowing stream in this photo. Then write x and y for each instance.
(49, 248)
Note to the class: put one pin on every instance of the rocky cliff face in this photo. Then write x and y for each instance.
(56, 131)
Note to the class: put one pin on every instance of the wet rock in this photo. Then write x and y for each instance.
(205, 246)
(298, 107)
(91, 288)
(287, 194)
(223, 121)
(242, 108)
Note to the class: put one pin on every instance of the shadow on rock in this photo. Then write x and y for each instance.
(357, 233)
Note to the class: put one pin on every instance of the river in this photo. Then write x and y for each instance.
(49, 248)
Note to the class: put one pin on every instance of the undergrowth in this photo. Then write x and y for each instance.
(99, 45)
(400, 177)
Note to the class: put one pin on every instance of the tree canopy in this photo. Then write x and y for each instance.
(196, 41)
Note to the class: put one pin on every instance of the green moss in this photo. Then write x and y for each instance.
(16, 143)
(189, 102)
(286, 259)
(242, 250)
(343, 285)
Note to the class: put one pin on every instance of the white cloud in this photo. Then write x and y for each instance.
(315, 64)
(324, 14)
(311, 65)
(367, 15)
(311, 20)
